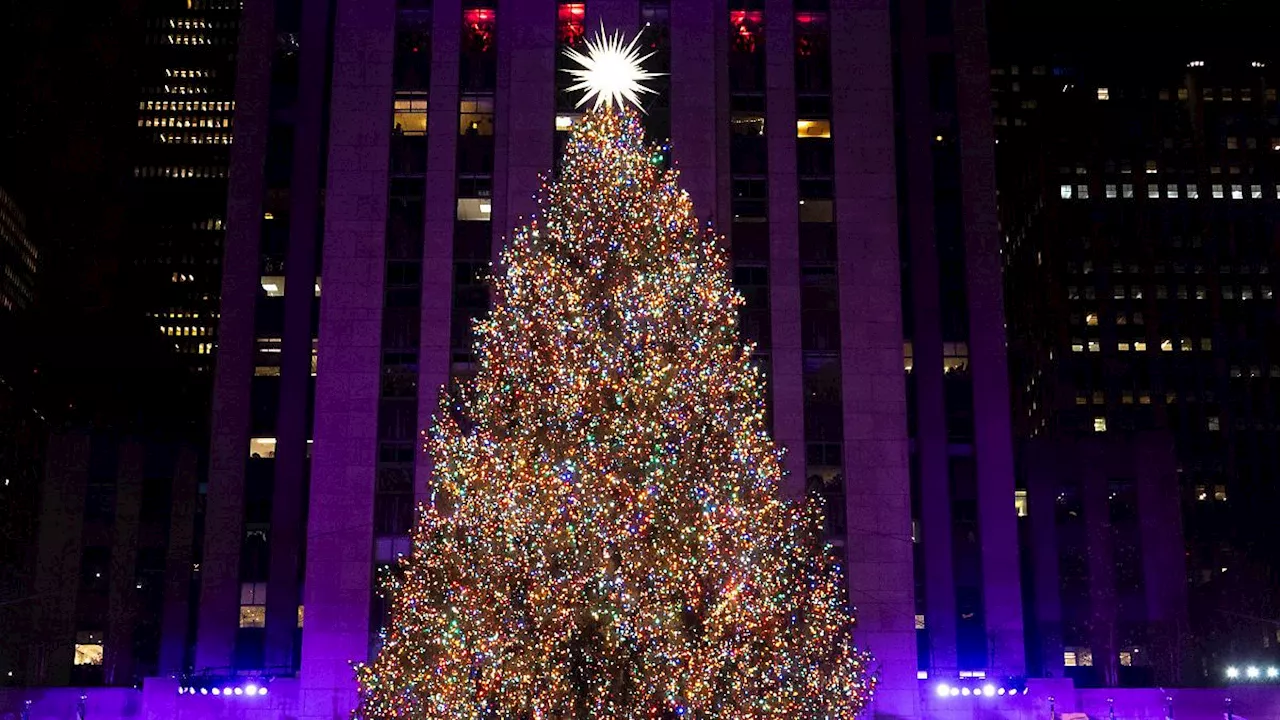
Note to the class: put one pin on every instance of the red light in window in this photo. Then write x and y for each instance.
(747, 29)
(571, 26)
(809, 18)
(572, 11)
(479, 28)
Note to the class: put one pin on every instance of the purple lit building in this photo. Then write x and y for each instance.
(383, 149)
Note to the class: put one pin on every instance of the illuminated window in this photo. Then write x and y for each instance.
(1171, 191)
(955, 356)
(1099, 424)
(810, 128)
(1099, 397)
(1255, 192)
(1082, 400)
(1082, 192)
(1095, 346)
(1126, 658)
(1237, 192)
(1126, 190)
(1020, 502)
(1182, 93)
(300, 615)
(273, 285)
(1214, 424)
(1144, 398)
(1104, 94)
(565, 122)
(1122, 347)
(1217, 192)
(253, 605)
(1184, 344)
(267, 357)
(1077, 657)
(1166, 345)
(817, 211)
(1111, 190)
(1193, 191)
(475, 116)
(1153, 190)
(1220, 493)
(908, 359)
(410, 113)
(1065, 192)
(1077, 346)
(474, 209)
(262, 447)
(253, 616)
(920, 622)
(1126, 398)
(1091, 319)
(88, 650)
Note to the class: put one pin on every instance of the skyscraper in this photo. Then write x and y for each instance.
(180, 152)
(18, 258)
(1140, 239)
(382, 150)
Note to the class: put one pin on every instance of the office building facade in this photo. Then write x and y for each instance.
(1140, 236)
(383, 149)
(185, 70)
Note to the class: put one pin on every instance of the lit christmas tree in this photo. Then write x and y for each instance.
(607, 538)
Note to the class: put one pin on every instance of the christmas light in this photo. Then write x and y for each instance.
(607, 538)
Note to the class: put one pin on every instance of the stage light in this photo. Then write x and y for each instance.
(989, 690)
(943, 690)
(1233, 672)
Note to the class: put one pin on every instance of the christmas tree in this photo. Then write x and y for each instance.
(607, 537)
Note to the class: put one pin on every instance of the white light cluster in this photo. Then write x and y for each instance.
(251, 690)
(1253, 672)
(943, 690)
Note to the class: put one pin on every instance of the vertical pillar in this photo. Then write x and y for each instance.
(1164, 565)
(878, 487)
(1043, 467)
(525, 124)
(440, 211)
(786, 383)
(177, 572)
(698, 91)
(57, 580)
(339, 566)
(229, 442)
(993, 433)
(122, 595)
(293, 422)
(926, 337)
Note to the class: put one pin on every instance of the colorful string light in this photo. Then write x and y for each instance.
(607, 538)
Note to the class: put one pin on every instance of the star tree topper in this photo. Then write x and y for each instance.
(611, 70)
